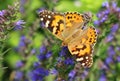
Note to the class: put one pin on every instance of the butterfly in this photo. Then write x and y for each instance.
(72, 29)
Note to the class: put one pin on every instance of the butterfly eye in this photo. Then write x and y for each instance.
(83, 27)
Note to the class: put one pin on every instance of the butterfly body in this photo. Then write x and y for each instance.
(70, 28)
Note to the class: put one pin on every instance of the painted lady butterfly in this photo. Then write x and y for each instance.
(70, 27)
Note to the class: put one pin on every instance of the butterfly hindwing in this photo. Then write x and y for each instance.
(82, 46)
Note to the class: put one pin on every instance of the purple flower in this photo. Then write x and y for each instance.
(105, 4)
(22, 9)
(44, 53)
(19, 25)
(118, 48)
(72, 74)
(38, 74)
(40, 10)
(19, 64)
(97, 22)
(114, 28)
(69, 61)
(36, 64)
(42, 24)
(99, 15)
(59, 59)
(22, 38)
(111, 51)
(35, 77)
(22, 2)
(106, 12)
(48, 54)
(22, 41)
(63, 51)
(18, 75)
(43, 49)
(109, 60)
(41, 57)
(98, 31)
(104, 67)
(118, 58)
(118, 9)
(103, 19)
(21, 44)
(2, 12)
(33, 51)
(109, 38)
(84, 74)
(54, 71)
(20, 22)
(41, 71)
(114, 4)
(102, 78)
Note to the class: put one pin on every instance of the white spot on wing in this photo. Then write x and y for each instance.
(86, 57)
(49, 16)
(75, 52)
(83, 64)
(46, 25)
(41, 19)
(79, 59)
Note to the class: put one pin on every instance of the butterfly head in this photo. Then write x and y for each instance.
(87, 16)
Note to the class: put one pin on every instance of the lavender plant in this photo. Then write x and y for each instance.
(9, 22)
(108, 27)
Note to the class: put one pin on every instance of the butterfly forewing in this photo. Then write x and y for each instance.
(54, 22)
(73, 22)
(62, 25)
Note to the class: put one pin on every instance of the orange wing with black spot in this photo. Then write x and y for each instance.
(62, 25)
(73, 22)
(54, 22)
(82, 46)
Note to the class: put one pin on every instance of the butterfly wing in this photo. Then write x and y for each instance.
(82, 46)
(73, 22)
(62, 25)
(54, 22)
